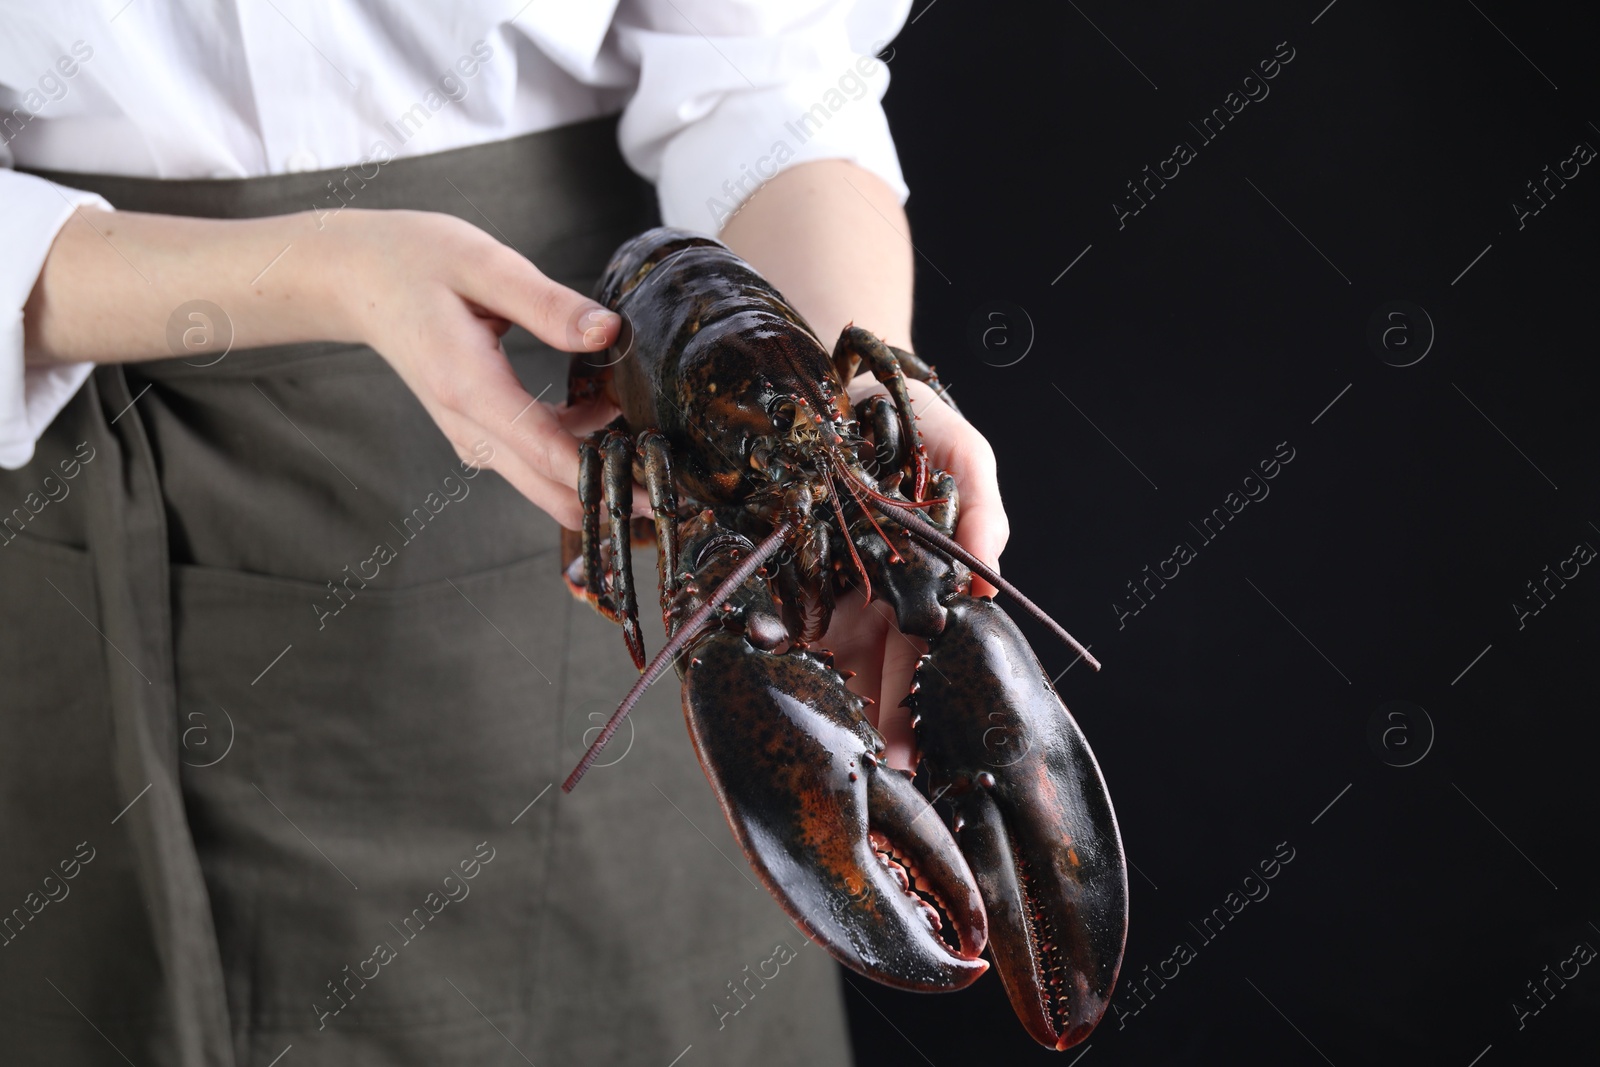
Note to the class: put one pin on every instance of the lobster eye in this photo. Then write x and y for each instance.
(782, 410)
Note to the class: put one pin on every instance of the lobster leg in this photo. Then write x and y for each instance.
(585, 576)
(877, 414)
(917, 370)
(605, 477)
(857, 346)
(942, 486)
(657, 462)
(618, 451)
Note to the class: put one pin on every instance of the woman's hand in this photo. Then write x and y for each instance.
(433, 295)
(862, 636)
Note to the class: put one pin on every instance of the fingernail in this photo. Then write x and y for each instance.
(594, 337)
(602, 318)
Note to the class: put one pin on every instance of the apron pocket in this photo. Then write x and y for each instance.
(352, 764)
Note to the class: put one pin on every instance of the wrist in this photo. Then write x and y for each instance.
(332, 287)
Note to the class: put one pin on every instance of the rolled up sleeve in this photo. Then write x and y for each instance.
(730, 94)
(34, 211)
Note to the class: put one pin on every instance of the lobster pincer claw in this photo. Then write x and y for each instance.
(1031, 814)
(845, 843)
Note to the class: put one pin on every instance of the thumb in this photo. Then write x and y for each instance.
(507, 284)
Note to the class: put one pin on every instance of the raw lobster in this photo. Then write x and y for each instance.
(770, 494)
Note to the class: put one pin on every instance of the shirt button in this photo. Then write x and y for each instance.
(300, 160)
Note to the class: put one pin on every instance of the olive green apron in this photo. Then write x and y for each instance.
(288, 693)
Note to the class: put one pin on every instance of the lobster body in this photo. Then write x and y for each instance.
(707, 348)
(770, 494)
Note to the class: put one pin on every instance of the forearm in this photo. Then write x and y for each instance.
(113, 279)
(834, 240)
(829, 235)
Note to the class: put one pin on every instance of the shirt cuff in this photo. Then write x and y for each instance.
(30, 397)
(759, 114)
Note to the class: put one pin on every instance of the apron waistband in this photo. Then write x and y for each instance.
(545, 158)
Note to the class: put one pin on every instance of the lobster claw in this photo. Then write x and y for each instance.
(846, 845)
(1032, 816)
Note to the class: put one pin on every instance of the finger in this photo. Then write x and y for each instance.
(982, 527)
(486, 390)
(550, 453)
(582, 419)
(489, 452)
(558, 501)
(506, 284)
(982, 533)
(956, 445)
(473, 395)
(481, 388)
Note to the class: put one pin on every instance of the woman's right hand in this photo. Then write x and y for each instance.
(433, 295)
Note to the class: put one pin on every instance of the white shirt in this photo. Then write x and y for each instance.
(712, 96)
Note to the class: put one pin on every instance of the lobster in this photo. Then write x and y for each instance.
(770, 494)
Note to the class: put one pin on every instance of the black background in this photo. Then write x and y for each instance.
(1236, 706)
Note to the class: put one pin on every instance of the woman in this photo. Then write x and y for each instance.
(287, 677)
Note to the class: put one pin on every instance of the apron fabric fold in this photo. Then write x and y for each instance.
(288, 694)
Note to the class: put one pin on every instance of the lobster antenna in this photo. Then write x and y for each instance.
(874, 494)
(690, 630)
(926, 531)
(861, 568)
